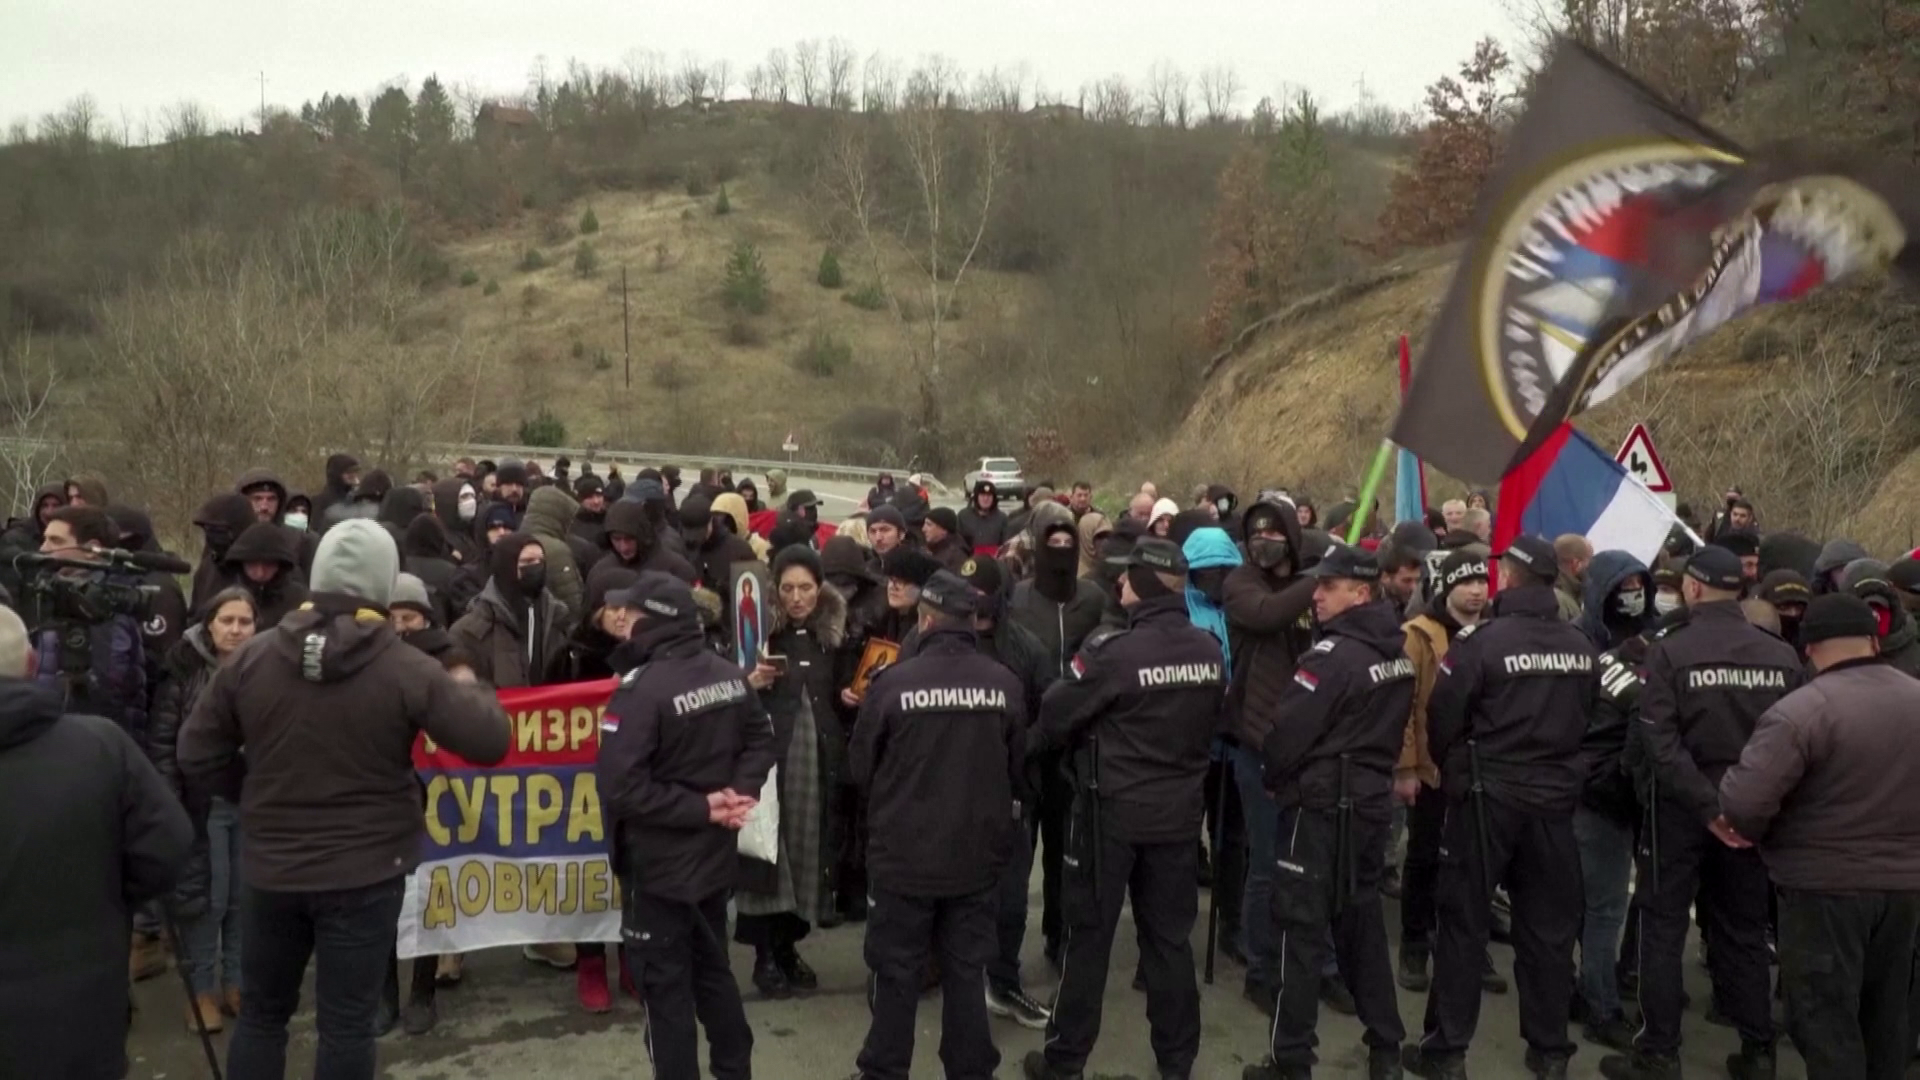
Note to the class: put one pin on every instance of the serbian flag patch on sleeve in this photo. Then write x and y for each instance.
(1446, 668)
(609, 723)
(1079, 667)
(1307, 679)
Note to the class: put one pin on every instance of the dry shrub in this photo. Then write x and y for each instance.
(271, 353)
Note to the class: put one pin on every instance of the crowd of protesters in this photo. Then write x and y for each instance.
(1561, 747)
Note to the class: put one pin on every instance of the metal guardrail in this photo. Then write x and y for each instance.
(850, 473)
(864, 474)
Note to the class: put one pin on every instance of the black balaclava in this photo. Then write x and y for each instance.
(1055, 570)
(1212, 582)
(532, 579)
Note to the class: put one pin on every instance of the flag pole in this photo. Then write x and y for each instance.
(1406, 383)
(1363, 510)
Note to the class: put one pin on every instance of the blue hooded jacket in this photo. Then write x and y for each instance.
(1604, 574)
(1208, 549)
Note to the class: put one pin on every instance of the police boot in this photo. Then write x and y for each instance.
(1034, 1067)
(1547, 1066)
(1383, 1063)
(1433, 1066)
(1270, 1070)
(1753, 1062)
(1640, 1066)
(1412, 975)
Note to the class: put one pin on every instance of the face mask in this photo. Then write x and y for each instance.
(1212, 582)
(469, 506)
(1225, 506)
(533, 579)
(296, 522)
(1633, 604)
(1267, 554)
(1666, 603)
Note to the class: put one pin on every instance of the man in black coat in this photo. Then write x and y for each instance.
(92, 833)
(684, 750)
(937, 748)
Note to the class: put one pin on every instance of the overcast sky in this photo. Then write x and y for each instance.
(137, 58)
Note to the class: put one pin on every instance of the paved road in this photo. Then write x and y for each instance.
(511, 1020)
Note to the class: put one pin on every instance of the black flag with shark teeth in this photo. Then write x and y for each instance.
(1616, 232)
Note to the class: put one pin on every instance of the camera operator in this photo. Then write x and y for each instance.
(86, 631)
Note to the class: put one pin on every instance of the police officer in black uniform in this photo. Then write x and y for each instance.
(938, 752)
(684, 750)
(1329, 763)
(1140, 711)
(1509, 709)
(1707, 681)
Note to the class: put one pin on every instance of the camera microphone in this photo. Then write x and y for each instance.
(158, 561)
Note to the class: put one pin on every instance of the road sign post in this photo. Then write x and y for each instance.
(1642, 461)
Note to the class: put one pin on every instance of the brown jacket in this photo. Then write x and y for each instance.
(326, 707)
(1825, 785)
(1427, 641)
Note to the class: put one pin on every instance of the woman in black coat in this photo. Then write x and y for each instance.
(205, 905)
(779, 903)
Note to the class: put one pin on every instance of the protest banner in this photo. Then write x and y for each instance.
(516, 854)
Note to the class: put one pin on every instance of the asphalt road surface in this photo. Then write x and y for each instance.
(510, 1020)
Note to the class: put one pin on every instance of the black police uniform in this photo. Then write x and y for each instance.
(938, 750)
(1142, 709)
(1707, 682)
(683, 723)
(1329, 763)
(1512, 702)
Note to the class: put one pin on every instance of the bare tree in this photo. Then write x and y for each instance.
(1113, 102)
(1220, 88)
(757, 82)
(840, 61)
(879, 84)
(722, 75)
(28, 450)
(779, 76)
(1166, 93)
(694, 79)
(807, 70)
(955, 161)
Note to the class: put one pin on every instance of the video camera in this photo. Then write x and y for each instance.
(96, 598)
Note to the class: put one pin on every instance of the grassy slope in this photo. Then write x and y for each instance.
(745, 398)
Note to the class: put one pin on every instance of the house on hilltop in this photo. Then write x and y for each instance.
(1056, 112)
(504, 122)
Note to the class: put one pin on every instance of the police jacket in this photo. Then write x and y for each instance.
(1708, 680)
(937, 749)
(1153, 697)
(683, 724)
(1610, 788)
(1349, 699)
(1521, 688)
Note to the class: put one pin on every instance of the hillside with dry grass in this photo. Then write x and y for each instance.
(552, 338)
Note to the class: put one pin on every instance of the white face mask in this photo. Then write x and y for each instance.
(1633, 604)
(469, 506)
(1664, 603)
(297, 522)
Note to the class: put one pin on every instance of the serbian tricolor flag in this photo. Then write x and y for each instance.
(1570, 485)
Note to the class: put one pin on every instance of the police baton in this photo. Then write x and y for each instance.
(1216, 841)
(1477, 792)
(186, 981)
(1345, 873)
(1653, 836)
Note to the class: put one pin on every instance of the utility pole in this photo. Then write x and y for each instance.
(626, 333)
(263, 103)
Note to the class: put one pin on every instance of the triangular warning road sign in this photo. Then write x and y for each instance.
(1638, 457)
